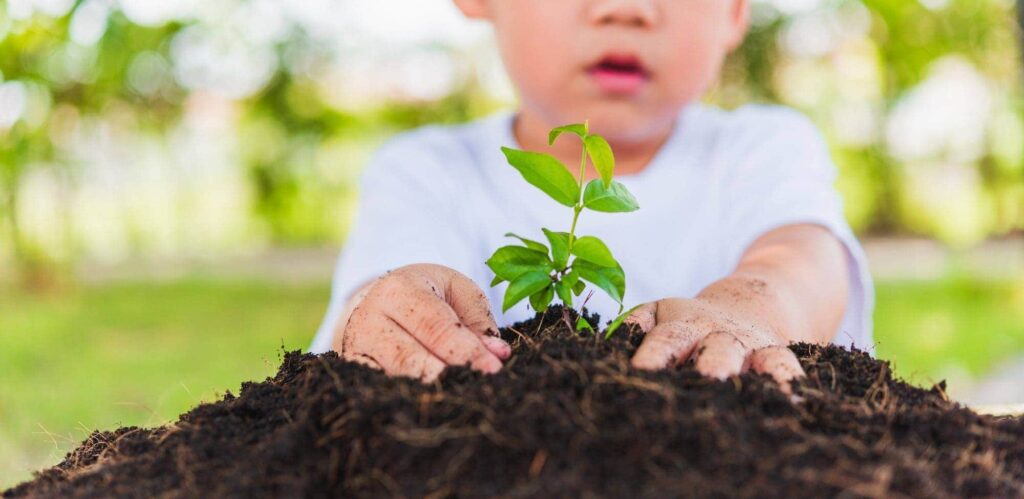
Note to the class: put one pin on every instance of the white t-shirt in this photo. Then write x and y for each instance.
(446, 195)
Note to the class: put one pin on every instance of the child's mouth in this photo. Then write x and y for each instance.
(618, 74)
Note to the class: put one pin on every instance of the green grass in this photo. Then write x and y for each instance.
(959, 325)
(137, 354)
(140, 354)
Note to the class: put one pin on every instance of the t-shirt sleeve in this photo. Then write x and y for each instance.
(785, 176)
(407, 213)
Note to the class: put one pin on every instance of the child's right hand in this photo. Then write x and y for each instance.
(418, 319)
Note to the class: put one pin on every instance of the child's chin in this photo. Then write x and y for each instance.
(625, 120)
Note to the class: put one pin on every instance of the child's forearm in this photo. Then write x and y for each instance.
(793, 280)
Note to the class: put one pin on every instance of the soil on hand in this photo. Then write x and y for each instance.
(567, 416)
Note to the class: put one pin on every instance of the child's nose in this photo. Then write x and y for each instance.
(634, 13)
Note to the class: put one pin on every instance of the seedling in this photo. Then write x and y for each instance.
(562, 267)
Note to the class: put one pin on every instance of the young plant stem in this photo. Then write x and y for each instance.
(579, 203)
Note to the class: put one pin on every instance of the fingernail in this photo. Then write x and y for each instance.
(640, 364)
(488, 364)
(497, 346)
(652, 359)
(646, 364)
(719, 374)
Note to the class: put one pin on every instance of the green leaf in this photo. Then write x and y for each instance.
(510, 262)
(541, 299)
(564, 291)
(577, 289)
(523, 286)
(601, 155)
(612, 199)
(618, 322)
(582, 324)
(559, 247)
(579, 129)
(571, 279)
(496, 281)
(593, 250)
(546, 173)
(611, 279)
(530, 243)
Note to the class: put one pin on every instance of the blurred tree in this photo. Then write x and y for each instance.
(908, 39)
(84, 78)
(300, 144)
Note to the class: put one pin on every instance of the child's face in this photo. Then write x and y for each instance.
(628, 66)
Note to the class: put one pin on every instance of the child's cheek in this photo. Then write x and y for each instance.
(688, 71)
(539, 59)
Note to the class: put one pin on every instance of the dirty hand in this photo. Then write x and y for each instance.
(722, 342)
(418, 319)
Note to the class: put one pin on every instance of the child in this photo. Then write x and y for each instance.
(739, 249)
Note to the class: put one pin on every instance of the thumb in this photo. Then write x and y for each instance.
(472, 307)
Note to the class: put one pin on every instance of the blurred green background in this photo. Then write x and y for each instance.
(176, 177)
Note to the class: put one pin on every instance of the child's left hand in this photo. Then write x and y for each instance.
(722, 342)
(791, 285)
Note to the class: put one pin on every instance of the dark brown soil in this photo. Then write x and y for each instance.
(566, 417)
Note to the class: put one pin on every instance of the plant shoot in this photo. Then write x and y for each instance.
(562, 267)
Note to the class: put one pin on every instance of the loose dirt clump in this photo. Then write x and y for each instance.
(567, 416)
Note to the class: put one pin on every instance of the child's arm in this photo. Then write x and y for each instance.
(790, 286)
(418, 319)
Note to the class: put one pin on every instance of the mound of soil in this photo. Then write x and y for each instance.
(566, 417)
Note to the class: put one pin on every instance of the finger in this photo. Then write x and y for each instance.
(780, 363)
(471, 305)
(497, 346)
(720, 355)
(413, 303)
(666, 345)
(377, 341)
(644, 316)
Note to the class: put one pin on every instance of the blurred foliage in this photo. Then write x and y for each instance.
(902, 42)
(300, 121)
